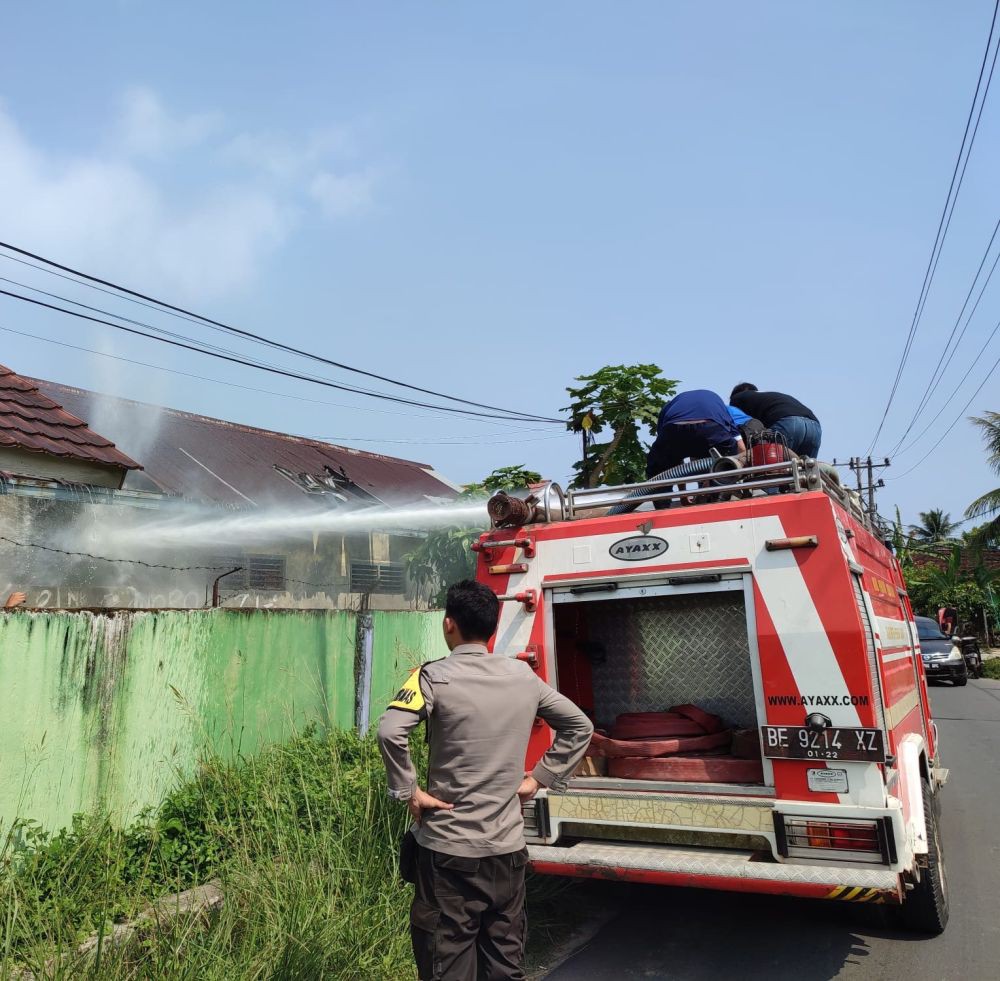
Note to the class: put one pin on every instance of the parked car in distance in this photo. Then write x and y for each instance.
(941, 655)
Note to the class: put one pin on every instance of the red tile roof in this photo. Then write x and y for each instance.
(229, 463)
(32, 421)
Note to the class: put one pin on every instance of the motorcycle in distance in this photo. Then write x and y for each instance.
(969, 646)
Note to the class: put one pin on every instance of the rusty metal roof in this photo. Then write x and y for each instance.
(206, 459)
(30, 420)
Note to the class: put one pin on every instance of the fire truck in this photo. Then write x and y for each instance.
(742, 637)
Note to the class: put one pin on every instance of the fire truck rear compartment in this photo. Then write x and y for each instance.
(647, 648)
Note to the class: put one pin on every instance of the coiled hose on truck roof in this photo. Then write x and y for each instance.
(693, 468)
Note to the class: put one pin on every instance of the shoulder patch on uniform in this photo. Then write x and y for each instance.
(409, 698)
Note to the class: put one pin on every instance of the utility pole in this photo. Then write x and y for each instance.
(864, 475)
(871, 484)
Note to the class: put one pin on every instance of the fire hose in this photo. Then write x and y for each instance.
(681, 720)
(617, 748)
(693, 468)
(709, 769)
(684, 744)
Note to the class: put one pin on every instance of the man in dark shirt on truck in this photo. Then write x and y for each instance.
(782, 414)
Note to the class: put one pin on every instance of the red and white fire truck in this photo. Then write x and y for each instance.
(745, 645)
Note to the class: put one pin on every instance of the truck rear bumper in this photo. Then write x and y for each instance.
(729, 869)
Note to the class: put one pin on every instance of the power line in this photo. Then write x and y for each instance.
(245, 388)
(270, 368)
(989, 374)
(954, 391)
(942, 230)
(461, 440)
(139, 323)
(968, 320)
(182, 337)
(213, 347)
(173, 334)
(937, 375)
(260, 339)
(100, 289)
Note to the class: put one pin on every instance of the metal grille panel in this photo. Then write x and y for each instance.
(378, 577)
(869, 650)
(262, 572)
(668, 650)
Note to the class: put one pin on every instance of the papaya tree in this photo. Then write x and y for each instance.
(620, 403)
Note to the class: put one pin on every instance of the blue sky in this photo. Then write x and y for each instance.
(492, 199)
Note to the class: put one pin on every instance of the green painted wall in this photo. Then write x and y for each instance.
(108, 710)
(401, 642)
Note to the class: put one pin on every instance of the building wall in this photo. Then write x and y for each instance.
(317, 567)
(28, 464)
(107, 711)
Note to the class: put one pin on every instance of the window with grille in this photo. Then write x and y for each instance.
(378, 577)
(258, 572)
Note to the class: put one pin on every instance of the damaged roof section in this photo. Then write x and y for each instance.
(227, 463)
(33, 421)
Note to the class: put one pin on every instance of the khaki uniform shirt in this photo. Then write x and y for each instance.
(479, 709)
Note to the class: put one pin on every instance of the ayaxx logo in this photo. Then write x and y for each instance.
(638, 548)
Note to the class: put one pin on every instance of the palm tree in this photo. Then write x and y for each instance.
(935, 526)
(945, 579)
(958, 579)
(989, 503)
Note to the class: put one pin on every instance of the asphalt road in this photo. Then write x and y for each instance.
(690, 933)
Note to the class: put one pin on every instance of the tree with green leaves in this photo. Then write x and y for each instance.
(935, 526)
(901, 540)
(988, 504)
(618, 401)
(957, 578)
(444, 556)
(503, 478)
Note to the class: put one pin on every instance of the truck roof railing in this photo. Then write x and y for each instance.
(796, 476)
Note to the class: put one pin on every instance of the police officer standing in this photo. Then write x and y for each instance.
(467, 921)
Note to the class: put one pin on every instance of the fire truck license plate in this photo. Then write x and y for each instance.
(800, 743)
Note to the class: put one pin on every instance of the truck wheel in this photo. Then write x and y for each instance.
(925, 908)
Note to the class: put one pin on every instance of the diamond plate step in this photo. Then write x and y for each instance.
(722, 863)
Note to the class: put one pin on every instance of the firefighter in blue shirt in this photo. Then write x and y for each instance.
(690, 425)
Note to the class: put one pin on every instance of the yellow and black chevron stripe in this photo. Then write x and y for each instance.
(856, 894)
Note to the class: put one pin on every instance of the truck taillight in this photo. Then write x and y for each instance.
(848, 838)
(854, 837)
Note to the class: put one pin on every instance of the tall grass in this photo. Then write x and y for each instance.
(302, 837)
